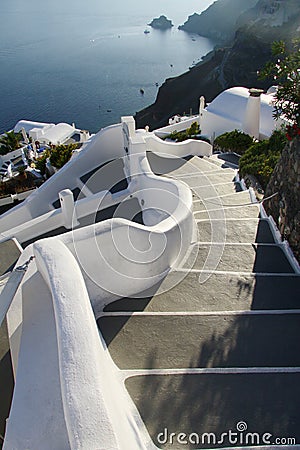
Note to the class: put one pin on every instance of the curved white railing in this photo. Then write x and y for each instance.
(122, 257)
(88, 386)
(102, 147)
(190, 147)
(85, 407)
(78, 342)
(36, 215)
(87, 267)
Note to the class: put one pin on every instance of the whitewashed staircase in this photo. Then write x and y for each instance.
(214, 347)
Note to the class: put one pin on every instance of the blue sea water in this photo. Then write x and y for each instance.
(86, 61)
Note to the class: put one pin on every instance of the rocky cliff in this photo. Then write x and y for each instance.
(224, 17)
(271, 13)
(285, 206)
(218, 21)
(234, 64)
(223, 68)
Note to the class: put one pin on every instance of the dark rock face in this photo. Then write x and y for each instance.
(236, 64)
(272, 13)
(218, 21)
(285, 206)
(161, 23)
(181, 93)
(221, 69)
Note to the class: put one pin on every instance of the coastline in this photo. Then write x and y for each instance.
(181, 94)
(109, 59)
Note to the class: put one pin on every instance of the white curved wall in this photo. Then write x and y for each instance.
(86, 410)
(178, 126)
(37, 216)
(226, 113)
(71, 398)
(178, 149)
(122, 257)
(104, 146)
(114, 258)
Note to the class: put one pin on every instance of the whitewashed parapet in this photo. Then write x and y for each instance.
(180, 149)
(84, 376)
(20, 196)
(84, 269)
(91, 409)
(104, 146)
(7, 200)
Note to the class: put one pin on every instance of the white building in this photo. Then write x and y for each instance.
(50, 133)
(230, 111)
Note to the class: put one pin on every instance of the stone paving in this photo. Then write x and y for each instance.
(214, 347)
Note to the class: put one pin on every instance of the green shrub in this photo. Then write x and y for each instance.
(234, 141)
(177, 136)
(194, 129)
(180, 136)
(277, 140)
(261, 158)
(61, 154)
(40, 163)
(58, 157)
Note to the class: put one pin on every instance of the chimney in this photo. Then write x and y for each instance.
(252, 113)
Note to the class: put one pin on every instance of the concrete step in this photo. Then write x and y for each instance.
(255, 258)
(202, 341)
(215, 190)
(181, 166)
(205, 179)
(208, 165)
(213, 159)
(216, 202)
(238, 212)
(235, 231)
(224, 159)
(183, 291)
(216, 403)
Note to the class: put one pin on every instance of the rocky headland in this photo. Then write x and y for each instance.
(234, 61)
(218, 21)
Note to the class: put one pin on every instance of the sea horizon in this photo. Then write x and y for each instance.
(90, 64)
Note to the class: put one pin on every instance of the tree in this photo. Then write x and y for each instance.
(9, 142)
(285, 71)
(61, 154)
